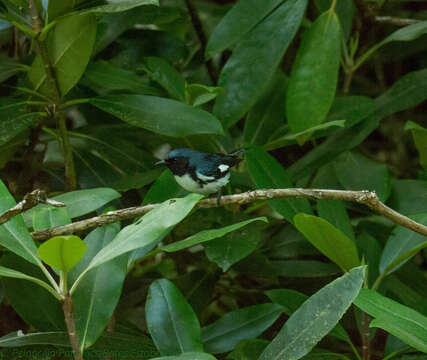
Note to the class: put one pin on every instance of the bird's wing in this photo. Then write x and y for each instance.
(216, 165)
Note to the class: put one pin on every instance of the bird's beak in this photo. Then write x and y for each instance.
(161, 162)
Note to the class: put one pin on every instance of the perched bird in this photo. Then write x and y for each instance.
(200, 172)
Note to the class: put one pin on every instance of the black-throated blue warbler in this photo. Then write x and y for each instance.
(200, 172)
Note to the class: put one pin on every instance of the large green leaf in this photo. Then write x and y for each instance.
(409, 196)
(345, 10)
(171, 321)
(146, 232)
(267, 114)
(244, 81)
(188, 356)
(57, 8)
(399, 320)
(243, 17)
(245, 323)
(315, 318)
(105, 282)
(267, 173)
(233, 247)
(402, 245)
(103, 78)
(207, 235)
(70, 46)
(14, 234)
(15, 118)
(56, 338)
(356, 172)
(331, 241)
(160, 115)
(166, 75)
(248, 349)
(62, 252)
(48, 217)
(35, 304)
(314, 78)
(420, 138)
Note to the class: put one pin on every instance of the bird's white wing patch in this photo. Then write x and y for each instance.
(223, 168)
(204, 177)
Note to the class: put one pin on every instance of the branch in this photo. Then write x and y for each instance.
(30, 200)
(395, 21)
(368, 198)
(198, 27)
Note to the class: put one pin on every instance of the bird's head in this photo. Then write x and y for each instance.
(178, 161)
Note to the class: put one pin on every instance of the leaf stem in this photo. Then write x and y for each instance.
(67, 307)
(70, 172)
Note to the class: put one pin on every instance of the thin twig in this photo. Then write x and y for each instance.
(198, 27)
(395, 21)
(30, 200)
(368, 198)
(366, 335)
(67, 307)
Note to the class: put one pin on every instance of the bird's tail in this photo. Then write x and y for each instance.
(237, 152)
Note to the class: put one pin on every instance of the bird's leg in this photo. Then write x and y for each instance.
(218, 197)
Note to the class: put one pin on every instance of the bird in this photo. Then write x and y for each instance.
(200, 172)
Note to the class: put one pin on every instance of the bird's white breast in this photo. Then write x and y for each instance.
(193, 186)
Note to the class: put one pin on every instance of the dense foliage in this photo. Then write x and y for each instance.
(325, 94)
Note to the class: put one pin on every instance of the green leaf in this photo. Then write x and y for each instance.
(207, 235)
(105, 282)
(345, 11)
(104, 78)
(166, 75)
(113, 6)
(188, 356)
(48, 217)
(246, 323)
(15, 339)
(241, 19)
(146, 232)
(32, 302)
(291, 300)
(315, 318)
(420, 138)
(15, 118)
(199, 94)
(233, 247)
(14, 234)
(162, 116)
(407, 33)
(10, 273)
(399, 320)
(57, 8)
(267, 173)
(402, 245)
(244, 81)
(62, 252)
(171, 321)
(409, 196)
(314, 78)
(69, 55)
(267, 114)
(328, 240)
(356, 172)
(248, 349)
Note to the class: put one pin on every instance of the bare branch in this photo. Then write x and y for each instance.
(368, 198)
(395, 21)
(30, 200)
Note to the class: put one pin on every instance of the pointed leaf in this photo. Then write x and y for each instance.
(420, 138)
(315, 318)
(160, 115)
(329, 240)
(207, 235)
(171, 321)
(399, 320)
(242, 18)
(245, 323)
(267, 173)
(62, 49)
(113, 6)
(244, 81)
(314, 78)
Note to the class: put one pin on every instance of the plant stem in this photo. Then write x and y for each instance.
(366, 353)
(67, 307)
(347, 81)
(198, 27)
